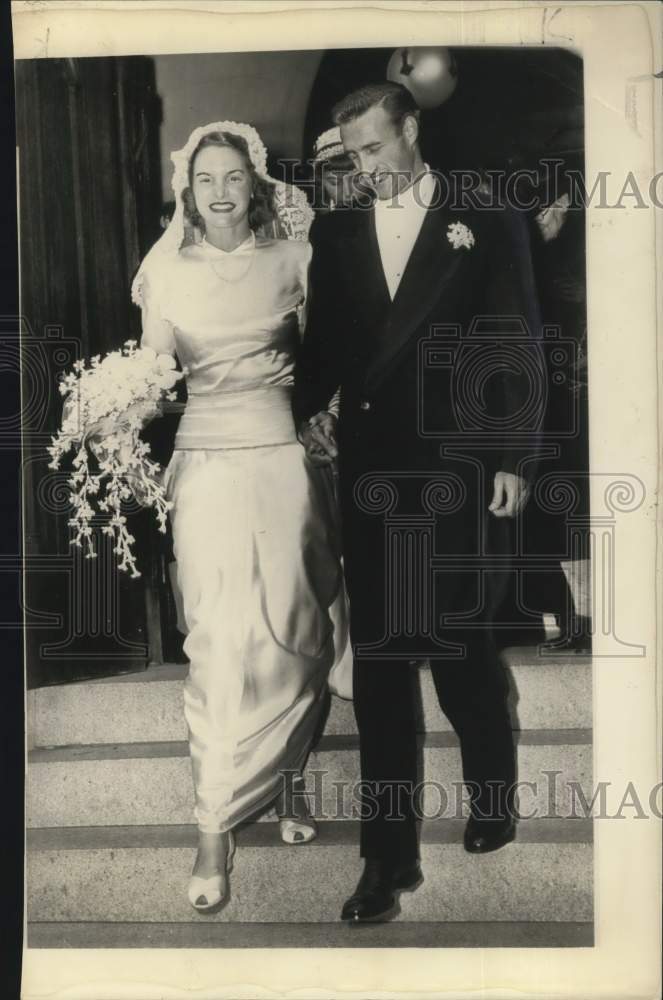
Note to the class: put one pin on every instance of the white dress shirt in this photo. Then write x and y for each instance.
(397, 223)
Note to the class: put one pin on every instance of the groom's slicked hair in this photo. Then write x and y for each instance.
(396, 100)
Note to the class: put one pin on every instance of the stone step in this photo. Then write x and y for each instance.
(150, 783)
(398, 934)
(140, 874)
(551, 692)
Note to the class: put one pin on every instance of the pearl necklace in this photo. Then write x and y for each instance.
(224, 261)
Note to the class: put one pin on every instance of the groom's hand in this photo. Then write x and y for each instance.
(510, 495)
(318, 435)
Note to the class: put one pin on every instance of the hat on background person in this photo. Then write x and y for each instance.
(333, 171)
(328, 145)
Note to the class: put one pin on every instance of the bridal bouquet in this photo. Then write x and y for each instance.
(107, 403)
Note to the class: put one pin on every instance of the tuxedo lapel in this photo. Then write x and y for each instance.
(366, 274)
(432, 264)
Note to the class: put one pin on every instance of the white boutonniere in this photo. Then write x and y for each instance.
(460, 236)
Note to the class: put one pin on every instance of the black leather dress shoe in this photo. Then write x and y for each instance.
(485, 835)
(376, 895)
(581, 645)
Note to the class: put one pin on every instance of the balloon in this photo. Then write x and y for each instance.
(430, 75)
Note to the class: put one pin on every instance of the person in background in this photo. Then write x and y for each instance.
(167, 212)
(333, 173)
(338, 192)
(558, 247)
(335, 200)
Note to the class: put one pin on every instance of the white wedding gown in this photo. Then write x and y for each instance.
(254, 524)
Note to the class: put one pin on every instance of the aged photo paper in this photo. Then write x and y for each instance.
(130, 725)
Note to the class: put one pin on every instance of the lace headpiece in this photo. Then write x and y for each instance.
(293, 210)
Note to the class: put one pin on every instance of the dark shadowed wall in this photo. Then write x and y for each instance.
(270, 90)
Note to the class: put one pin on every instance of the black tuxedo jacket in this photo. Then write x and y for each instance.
(445, 380)
(453, 361)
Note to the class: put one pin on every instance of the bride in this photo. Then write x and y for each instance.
(253, 521)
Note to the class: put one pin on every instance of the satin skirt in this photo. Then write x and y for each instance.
(255, 537)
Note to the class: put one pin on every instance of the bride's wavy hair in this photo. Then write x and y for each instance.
(261, 210)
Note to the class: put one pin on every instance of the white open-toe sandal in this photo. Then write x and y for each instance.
(207, 895)
(296, 831)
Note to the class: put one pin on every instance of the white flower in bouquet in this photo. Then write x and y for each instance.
(107, 404)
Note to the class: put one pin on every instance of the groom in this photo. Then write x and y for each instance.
(429, 440)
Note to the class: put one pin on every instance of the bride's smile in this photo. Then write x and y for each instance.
(222, 190)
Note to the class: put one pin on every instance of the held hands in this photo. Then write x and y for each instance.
(318, 435)
(510, 495)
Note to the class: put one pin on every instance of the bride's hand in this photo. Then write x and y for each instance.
(108, 426)
(97, 434)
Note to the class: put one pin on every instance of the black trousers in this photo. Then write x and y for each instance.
(472, 692)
